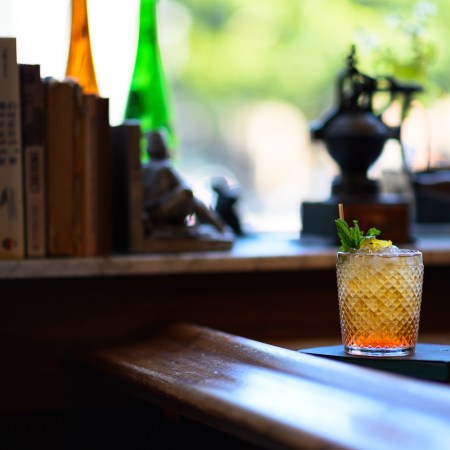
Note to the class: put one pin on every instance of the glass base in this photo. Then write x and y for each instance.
(379, 352)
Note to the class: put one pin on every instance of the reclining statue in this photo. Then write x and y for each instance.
(167, 200)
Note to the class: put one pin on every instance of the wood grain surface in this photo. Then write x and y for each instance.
(274, 397)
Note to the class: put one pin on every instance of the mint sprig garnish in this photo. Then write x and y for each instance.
(352, 237)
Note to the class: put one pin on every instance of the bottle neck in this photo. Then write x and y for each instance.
(148, 99)
(80, 64)
(148, 22)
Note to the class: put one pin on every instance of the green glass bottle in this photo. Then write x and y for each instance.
(148, 99)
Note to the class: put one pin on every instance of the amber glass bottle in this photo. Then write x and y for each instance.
(148, 99)
(80, 64)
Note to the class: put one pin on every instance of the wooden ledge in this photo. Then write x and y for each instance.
(274, 397)
(264, 252)
(259, 253)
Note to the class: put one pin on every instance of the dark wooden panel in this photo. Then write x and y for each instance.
(40, 320)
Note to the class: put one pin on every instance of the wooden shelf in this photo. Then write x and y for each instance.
(264, 252)
(258, 253)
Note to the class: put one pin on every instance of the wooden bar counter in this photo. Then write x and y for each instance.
(271, 289)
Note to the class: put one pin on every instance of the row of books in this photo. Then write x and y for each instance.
(56, 166)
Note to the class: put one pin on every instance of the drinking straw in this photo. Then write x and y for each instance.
(341, 211)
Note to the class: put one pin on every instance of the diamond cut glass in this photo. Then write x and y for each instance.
(379, 301)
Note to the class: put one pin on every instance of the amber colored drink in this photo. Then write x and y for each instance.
(379, 301)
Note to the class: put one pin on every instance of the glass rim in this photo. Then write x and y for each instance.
(402, 253)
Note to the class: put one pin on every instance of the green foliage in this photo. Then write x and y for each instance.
(293, 50)
(352, 237)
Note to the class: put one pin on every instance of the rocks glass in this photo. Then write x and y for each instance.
(379, 301)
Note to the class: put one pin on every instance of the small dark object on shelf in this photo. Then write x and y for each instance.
(225, 206)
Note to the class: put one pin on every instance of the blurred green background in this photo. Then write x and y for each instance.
(248, 77)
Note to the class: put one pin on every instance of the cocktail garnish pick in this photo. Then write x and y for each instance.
(341, 211)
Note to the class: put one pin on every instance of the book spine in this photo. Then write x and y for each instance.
(91, 176)
(127, 188)
(135, 188)
(79, 208)
(105, 178)
(61, 101)
(120, 172)
(33, 139)
(12, 237)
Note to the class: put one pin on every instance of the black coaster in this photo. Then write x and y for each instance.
(429, 362)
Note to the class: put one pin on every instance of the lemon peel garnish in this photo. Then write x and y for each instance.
(376, 244)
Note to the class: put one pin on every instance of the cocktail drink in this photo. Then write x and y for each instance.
(379, 300)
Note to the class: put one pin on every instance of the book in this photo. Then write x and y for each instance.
(105, 199)
(128, 231)
(93, 173)
(429, 362)
(12, 236)
(61, 98)
(79, 209)
(91, 176)
(33, 142)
